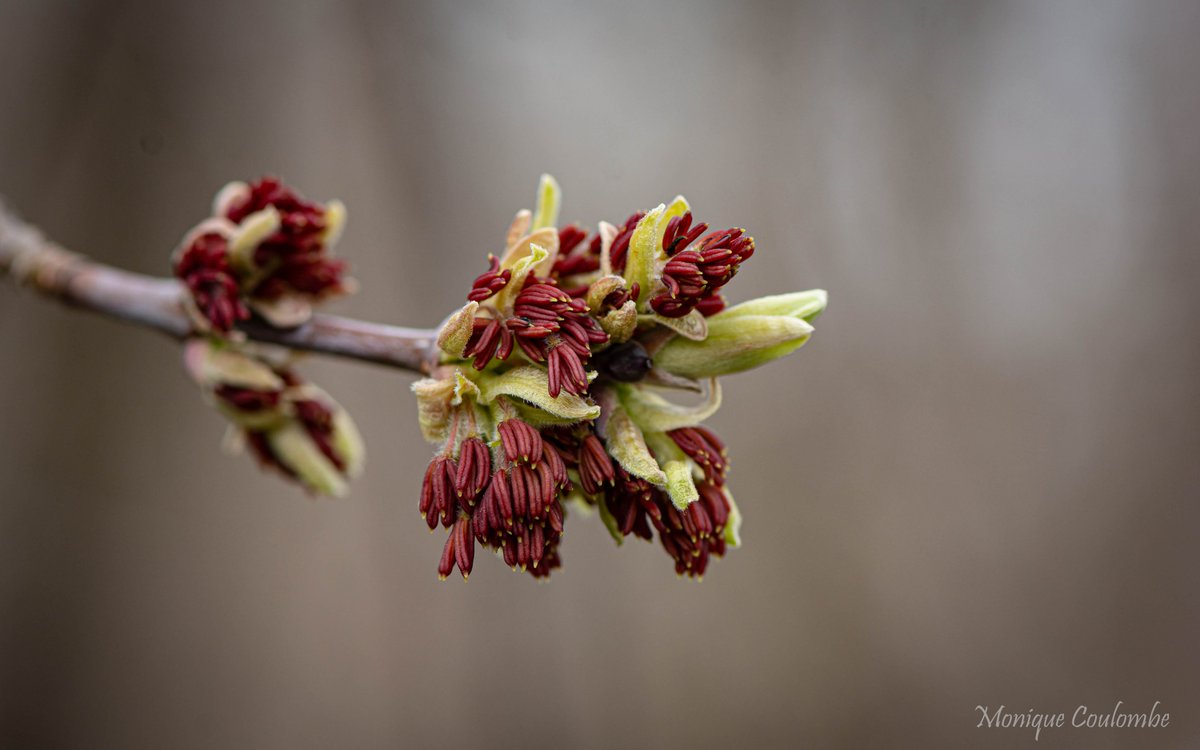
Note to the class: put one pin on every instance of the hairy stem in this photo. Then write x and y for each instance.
(28, 258)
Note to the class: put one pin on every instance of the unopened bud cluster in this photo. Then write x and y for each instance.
(551, 389)
(266, 252)
(289, 425)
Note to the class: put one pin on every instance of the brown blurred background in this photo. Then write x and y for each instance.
(976, 485)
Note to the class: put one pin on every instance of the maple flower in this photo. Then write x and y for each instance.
(288, 424)
(551, 388)
(264, 250)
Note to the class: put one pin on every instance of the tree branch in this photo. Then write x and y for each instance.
(28, 258)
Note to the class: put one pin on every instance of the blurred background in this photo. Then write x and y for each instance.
(977, 484)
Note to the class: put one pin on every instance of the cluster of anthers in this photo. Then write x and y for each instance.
(549, 394)
(267, 252)
(264, 250)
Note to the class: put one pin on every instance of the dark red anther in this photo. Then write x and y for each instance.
(443, 492)
(481, 517)
(522, 536)
(265, 454)
(295, 255)
(569, 238)
(433, 474)
(270, 191)
(491, 281)
(696, 274)
(680, 233)
(565, 372)
(631, 499)
(697, 522)
(691, 537)
(489, 338)
(587, 260)
(653, 503)
(446, 564)
(317, 421)
(502, 496)
(474, 469)
(520, 491)
(437, 492)
(464, 545)
(595, 466)
(555, 468)
(716, 502)
(246, 399)
(308, 274)
(706, 449)
(521, 442)
(554, 517)
(617, 298)
(537, 544)
(548, 489)
(546, 319)
(531, 490)
(699, 562)
(537, 506)
(711, 305)
(619, 250)
(204, 269)
(487, 519)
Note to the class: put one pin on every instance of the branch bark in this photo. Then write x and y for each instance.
(30, 259)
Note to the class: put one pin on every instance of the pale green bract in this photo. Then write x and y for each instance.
(643, 254)
(529, 384)
(734, 344)
(549, 196)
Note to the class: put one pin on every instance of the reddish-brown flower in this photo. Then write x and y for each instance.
(317, 420)
(697, 269)
(203, 267)
(555, 329)
(438, 502)
(520, 515)
(294, 257)
(459, 549)
(490, 281)
(474, 469)
(690, 536)
(571, 263)
(522, 443)
(695, 534)
(680, 233)
(510, 505)
(628, 501)
(273, 416)
(266, 250)
(489, 339)
(619, 251)
(595, 466)
(583, 311)
(706, 449)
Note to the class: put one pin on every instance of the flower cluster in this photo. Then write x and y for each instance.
(289, 425)
(505, 497)
(264, 250)
(550, 390)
